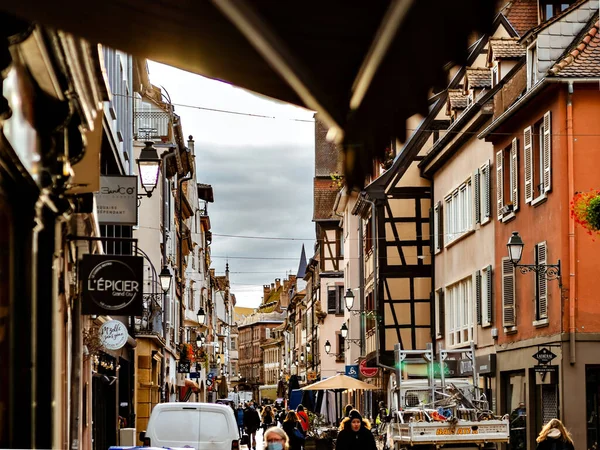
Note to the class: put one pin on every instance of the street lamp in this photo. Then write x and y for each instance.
(344, 331)
(349, 298)
(307, 348)
(199, 340)
(218, 360)
(201, 316)
(149, 168)
(165, 279)
(515, 252)
(302, 357)
(515, 248)
(327, 347)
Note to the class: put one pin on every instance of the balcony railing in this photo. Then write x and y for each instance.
(151, 125)
(151, 319)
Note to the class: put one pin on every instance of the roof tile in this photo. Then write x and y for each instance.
(325, 192)
(479, 77)
(457, 99)
(522, 15)
(506, 48)
(584, 58)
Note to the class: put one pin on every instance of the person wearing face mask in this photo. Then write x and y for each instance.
(355, 433)
(276, 439)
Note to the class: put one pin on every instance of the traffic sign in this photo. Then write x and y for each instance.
(366, 371)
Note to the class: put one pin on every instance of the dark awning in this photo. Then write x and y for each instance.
(316, 53)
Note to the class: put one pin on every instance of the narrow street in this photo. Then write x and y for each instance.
(335, 215)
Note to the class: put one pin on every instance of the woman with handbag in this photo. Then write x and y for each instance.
(293, 429)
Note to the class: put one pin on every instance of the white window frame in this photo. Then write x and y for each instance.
(532, 65)
(487, 288)
(543, 160)
(458, 216)
(482, 192)
(513, 167)
(460, 313)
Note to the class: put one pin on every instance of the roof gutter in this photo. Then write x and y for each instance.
(538, 87)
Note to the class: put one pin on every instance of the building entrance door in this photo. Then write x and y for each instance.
(514, 386)
(592, 395)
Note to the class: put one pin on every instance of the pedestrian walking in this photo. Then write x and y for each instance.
(294, 431)
(268, 418)
(347, 410)
(239, 417)
(303, 418)
(355, 433)
(252, 423)
(276, 439)
(554, 436)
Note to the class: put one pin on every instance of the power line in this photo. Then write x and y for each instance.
(225, 111)
(273, 238)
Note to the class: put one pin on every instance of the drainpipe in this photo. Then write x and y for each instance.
(571, 183)
(375, 281)
(165, 220)
(361, 288)
(180, 200)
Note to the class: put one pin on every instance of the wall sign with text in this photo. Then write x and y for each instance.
(113, 335)
(117, 200)
(112, 284)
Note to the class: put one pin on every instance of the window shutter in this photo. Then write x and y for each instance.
(331, 300)
(433, 224)
(340, 299)
(528, 164)
(542, 283)
(487, 180)
(514, 174)
(499, 183)
(547, 152)
(477, 196)
(508, 293)
(441, 312)
(488, 274)
(478, 296)
(441, 225)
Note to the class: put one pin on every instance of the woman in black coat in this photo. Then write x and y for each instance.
(355, 434)
(554, 436)
(291, 428)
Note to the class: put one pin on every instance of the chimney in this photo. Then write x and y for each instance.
(190, 144)
(272, 286)
(277, 283)
(266, 292)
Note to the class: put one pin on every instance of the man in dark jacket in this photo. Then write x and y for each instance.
(252, 423)
(355, 434)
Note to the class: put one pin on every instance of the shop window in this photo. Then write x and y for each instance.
(514, 386)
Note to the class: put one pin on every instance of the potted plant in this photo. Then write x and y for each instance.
(585, 208)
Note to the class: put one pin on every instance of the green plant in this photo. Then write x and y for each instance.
(337, 180)
(315, 421)
(585, 209)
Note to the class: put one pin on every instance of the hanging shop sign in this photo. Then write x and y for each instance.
(545, 369)
(113, 335)
(352, 370)
(183, 367)
(368, 372)
(544, 356)
(112, 284)
(117, 200)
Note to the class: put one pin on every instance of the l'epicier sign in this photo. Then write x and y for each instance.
(112, 284)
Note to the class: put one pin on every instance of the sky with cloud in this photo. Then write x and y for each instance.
(261, 171)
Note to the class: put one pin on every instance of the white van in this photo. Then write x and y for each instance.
(202, 426)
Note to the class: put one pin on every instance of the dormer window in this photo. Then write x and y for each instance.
(495, 75)
(550, 8)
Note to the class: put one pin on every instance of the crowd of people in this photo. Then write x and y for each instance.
(287, 429)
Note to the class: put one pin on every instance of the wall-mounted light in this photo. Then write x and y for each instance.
(515, 247)
(201, 316)
(149, 168)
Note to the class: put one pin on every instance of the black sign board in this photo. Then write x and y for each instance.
(544, 356)
(112, 284)
(183, 367)
(545, 369)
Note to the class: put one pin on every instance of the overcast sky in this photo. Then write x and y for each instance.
(261, 171)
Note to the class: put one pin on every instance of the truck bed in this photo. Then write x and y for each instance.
(419, 433)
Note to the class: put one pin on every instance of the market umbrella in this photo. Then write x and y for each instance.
(339, 382)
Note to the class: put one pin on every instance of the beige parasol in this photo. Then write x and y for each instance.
(339, 382)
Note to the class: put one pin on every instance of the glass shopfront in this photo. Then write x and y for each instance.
(592, 395)
(514, 387)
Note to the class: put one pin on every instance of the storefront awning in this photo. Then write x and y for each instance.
(364, 67)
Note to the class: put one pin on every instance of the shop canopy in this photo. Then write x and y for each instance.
(364, 66)
(339, 382)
